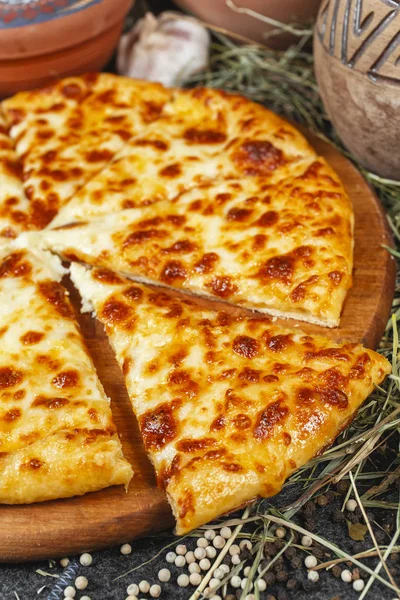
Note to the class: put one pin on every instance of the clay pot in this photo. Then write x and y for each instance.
(45, 39)
(216, 12)
(356, 64)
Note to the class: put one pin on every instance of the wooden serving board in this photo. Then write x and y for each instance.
(109, 517)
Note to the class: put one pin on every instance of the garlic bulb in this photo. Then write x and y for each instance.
(167, 49)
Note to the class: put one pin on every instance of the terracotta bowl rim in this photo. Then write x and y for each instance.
(34, 33)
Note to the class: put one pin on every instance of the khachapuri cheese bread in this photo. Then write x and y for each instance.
(220, 197)
(14, 204)
(57, 435)
(234, 242)
(172, 198)
(228, 406)
(271, 218)
(67, 132)
(201, 136)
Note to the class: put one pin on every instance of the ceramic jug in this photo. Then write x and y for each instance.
(357, 65)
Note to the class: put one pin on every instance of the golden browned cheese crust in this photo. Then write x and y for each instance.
(57, 436)
(201, 136)
(67, 132)
(268, 216)
(283, 248)
(13, 202)
(228, 406)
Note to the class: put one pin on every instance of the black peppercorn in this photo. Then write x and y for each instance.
(318, 552)
(338, 516)
(353, 517)
(322, 500)
(278, 566)
(309, 524)
(296, 562)
(357, 511)
(290, 552)
(342, 487)
(246, 554)
(269, 578)
(336, 571)
(282, 575)
(380, 536)
(270, 549)
(291, 584)
(330, 496)
(395, 557)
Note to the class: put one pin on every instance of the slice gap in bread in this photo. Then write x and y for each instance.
(228, 406)
(68, 132)
(222, 240)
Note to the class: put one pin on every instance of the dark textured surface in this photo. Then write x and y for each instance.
(110, 564)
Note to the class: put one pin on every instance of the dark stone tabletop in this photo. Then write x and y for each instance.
(28, 582)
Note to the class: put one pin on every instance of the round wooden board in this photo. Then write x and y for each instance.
(112, 516)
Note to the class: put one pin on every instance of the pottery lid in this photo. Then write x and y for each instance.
(33, 27)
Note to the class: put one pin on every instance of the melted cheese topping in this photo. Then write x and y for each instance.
(57, 436)
(13, 202)
(201, 136)
(66, 133)
(285, 248)
(233, 201)
(228, 406)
